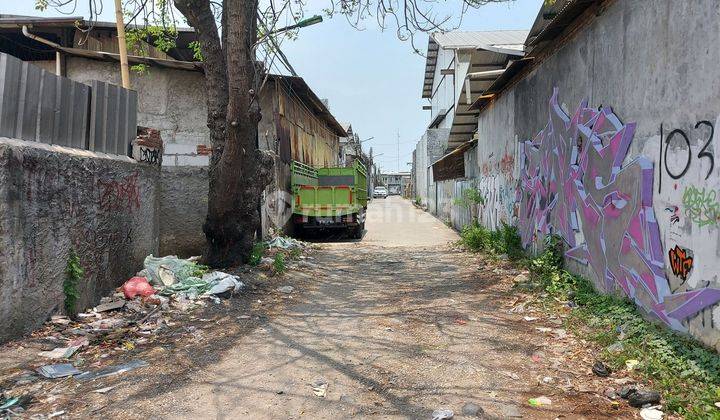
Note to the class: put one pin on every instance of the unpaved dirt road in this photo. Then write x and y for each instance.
(397, 325)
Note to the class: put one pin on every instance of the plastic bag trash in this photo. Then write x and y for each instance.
(631, 364)
(9, 403)
(165, 271)
(601, 369)
(284, 243)
(539, 401)
(319, 387)
(112, 370)
(225, 285)
(651, 414)
(222, 282)
(137, 286)
(60, 352)
(442, 414)
(58, 371)
(640, 398)
(191, 286)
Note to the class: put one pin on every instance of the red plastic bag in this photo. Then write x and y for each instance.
(137, 286)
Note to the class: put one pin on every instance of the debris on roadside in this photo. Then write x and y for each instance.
(639, 398)
(442, 414)
(540, 401)
(319, 387)
(651, 413)
(58, 371)
(601, 369)
(631, 364)
(112, 370)
(286, 289)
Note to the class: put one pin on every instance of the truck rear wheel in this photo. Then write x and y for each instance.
(357, 232)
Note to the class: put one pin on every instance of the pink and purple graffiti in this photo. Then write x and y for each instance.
(574, 184)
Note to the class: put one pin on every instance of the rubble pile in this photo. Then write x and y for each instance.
(83, 347)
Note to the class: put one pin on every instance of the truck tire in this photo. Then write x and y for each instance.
(357, 232)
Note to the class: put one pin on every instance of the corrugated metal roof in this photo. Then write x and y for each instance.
(479, 38)
(506, 42)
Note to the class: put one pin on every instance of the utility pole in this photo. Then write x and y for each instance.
(398, 150)
(122, 45)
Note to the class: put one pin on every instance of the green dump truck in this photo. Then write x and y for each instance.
(329, 198)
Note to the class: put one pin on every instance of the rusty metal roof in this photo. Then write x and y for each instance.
(302, 90)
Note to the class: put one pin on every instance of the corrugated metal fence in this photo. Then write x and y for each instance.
(36, 105)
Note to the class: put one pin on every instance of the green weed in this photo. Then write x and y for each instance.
(257, 253)
(506, 240)
(279, 263)
(73, 274)
(685, 372)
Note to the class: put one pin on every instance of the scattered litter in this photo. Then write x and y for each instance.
(319, 387)
(9, 403)
(60, 320)
(460, 321)
(58, 371)
(640, 398)
(112, 370)
(110, 306)
(56, 414)
(222, 283)
(601, 369)
(137, 286)
(59, 353)
(285, 243)
(285, 289)
(616, 347)
(717, 404)
(442, 414)
(530, 318)
(651, 413)
(611, 394)
(104, 390)
(540, 401)
(548, 380)
(511, 375)
(626, 391)
(631, 364)
(544, 329)
(166, 271)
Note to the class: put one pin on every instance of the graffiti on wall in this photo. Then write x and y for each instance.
(574, 184)
(121, 194)
(681, 262)
(701, 206)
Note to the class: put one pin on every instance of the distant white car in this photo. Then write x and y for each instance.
(380, 192)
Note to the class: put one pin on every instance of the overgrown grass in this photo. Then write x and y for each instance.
(686, 373)
(279, 263)
(504, 241)
(257, 253)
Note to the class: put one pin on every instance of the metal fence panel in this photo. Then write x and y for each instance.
(113, 118)
(36, 105)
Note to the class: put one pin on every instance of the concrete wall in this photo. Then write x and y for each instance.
(183, 208)
(54, 199)
(430, 148)
(172, 101)
(631, 187)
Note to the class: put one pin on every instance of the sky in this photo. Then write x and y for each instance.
(371, 79)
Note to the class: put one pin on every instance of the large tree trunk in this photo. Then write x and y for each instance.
(239, 171)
